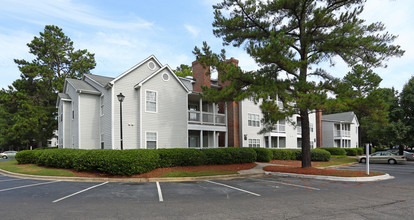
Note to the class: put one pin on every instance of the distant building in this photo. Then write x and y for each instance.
(340, 130)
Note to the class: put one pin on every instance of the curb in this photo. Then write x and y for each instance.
(333, 178)
(159, 179)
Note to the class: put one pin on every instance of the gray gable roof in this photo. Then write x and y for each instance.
(344, 116)
(103, 80)
(64, 97)
(82, 86)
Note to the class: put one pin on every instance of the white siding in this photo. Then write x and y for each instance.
(170, 121)
(130, 106)
(74, 123)
(105, 120)
(89, 121)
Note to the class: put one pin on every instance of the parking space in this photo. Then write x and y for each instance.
(83, 192)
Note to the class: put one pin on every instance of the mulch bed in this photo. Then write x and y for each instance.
(160, 171)
(294, 166)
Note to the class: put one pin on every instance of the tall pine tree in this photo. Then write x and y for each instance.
(289, 39)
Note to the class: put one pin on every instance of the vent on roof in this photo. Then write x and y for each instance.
(151, 65)
(165, 77)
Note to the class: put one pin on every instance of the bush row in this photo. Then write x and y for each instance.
(334, 150)
(128, 162)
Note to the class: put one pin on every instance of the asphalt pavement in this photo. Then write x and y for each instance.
(268, 197)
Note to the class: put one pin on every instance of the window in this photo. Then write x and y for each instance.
(102, 142)
(102, 105)
(151, 101)
(311, 127)
(151, 139)
(73, 114)
(165, 77)
(253, 120)
(254, 142)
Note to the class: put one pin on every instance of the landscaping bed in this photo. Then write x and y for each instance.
(317, 171)
(161, 171)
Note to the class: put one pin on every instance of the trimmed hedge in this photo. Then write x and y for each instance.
(296, 154)
(351, 151)
(360, 150)
(316, 155)
(263, 154)
(334, 150)
(129, 162)
(284, 154)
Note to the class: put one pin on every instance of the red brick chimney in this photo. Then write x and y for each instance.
(318, 128)
(200, 76)
(233, 111)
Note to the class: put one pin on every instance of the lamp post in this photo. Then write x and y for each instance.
(121, 99)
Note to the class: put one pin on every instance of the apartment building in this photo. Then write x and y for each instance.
(161, 110)
(340, 130)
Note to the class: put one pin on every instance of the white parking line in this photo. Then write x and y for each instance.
(288, 184)
(10, 180)
(19, 187)
(232, 187)
(58, 200)
(159, 192)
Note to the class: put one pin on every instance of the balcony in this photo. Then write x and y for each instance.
(299, 130)
(342, 133)
(207, 118)
(280, 128)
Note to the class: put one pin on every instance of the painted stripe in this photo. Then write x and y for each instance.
(289, 184)
(19, 187)
(10, 180)
(232, 187)
(73, 194)
(159, 192)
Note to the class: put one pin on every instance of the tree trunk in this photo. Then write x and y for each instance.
(306, 158)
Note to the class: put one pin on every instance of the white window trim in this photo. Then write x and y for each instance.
(102, 105)
(156, 101)
(249, 113)
(156, 139)
(256, 140)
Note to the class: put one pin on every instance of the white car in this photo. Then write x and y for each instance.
(382, 157)
(7, 154)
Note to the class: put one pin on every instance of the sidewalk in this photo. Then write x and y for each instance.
(257, 171)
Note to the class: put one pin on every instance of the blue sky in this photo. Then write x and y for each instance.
(123, 33)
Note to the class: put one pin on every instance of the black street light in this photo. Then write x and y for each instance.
(121, 99)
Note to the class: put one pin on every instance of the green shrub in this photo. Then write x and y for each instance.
(334, 150)
(316, 155)
(351, 151)
(27, 156)
(320, 155)
(284, 154)
(128, 162)
(360, 150)
(180, 157)
(263, 154)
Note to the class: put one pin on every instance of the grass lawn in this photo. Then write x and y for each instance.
(198, 173)
(32, 169)
(337, 161)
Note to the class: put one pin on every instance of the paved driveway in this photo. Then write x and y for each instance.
(251, 198)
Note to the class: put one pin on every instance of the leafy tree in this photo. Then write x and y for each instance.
(289, 39)
(30, 104)
(407, 106)
(183, 70)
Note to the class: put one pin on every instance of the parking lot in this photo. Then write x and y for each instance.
(238, 198)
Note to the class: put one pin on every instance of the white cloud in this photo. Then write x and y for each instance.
(193, 30)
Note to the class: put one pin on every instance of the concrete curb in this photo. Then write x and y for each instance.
(333, 178)
(160, 179)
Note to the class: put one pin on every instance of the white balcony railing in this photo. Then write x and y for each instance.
(280, 128)
(343, 133)
(206, 117)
